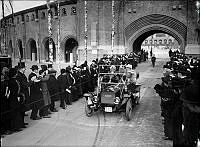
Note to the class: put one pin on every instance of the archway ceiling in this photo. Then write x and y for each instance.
(160, 20)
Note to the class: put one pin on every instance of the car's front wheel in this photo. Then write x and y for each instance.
(88, 111)
(129, 109)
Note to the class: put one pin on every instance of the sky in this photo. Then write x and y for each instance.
(19, 5)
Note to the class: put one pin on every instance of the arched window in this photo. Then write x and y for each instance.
(43, 15)
(160, 41)
(17, 19)
(146, 41)
(51, 13)
(73, 11)
(165, 41)
(170, 41)
(33, 17)
(27, 18)
(56, 11)
(64, 12)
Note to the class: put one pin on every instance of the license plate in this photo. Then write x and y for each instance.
(108, 95)
(126, 95)
(108, 109)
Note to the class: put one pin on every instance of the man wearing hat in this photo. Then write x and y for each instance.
(35, 93)
(191, 111)
(52, 85)
(131, 74)
(24, 88)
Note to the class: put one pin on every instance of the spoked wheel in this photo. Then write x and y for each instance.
(88, 111)
(129, 109)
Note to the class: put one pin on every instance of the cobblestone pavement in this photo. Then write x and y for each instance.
(71, 127)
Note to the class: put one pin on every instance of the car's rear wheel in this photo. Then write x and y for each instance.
(129, 109)
(88, 111)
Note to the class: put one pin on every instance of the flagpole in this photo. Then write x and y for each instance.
(113, 26)
(86, 29)
(50, 32)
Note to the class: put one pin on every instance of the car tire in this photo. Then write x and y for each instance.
(88, 111)
(129, 109)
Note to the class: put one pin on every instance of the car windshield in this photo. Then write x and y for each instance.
(111, 76)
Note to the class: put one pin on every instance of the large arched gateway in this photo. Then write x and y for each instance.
(70, 49)
(31, 45)
(46, 49)
(140, 29)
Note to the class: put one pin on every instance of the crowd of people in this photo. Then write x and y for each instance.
(180, 99)
(44, 86)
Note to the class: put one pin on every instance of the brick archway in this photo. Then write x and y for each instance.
(63, 45)
(32, 49)
(155, 23)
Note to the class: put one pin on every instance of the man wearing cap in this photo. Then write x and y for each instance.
(35, 93)
(24, 88)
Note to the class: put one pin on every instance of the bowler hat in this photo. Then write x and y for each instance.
(21, 65)
(44, 67)
(34, 67)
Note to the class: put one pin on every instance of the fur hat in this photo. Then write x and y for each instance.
(44, 67)
(34, 67)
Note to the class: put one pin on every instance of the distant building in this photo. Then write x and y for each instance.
(161, 40)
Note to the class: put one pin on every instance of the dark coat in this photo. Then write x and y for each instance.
(35, 92)
(15, 112)
(53, 88)
(4, 101)
(62, 85)
(24, 87)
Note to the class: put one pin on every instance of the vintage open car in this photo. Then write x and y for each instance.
(113, 93)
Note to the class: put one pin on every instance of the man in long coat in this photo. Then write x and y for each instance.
(53, 89)
(24, 88)
(45, 92)
(35, 93)
(14, 101)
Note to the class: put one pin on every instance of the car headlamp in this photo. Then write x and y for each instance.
(117, 100)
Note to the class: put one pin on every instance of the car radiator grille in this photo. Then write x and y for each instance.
(107, 97)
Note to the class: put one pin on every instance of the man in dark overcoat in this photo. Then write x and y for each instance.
(62, 80)
(52, 85)
(14, 101)
(70, 82)
(24, 88)
(191, 111)
(36, 99)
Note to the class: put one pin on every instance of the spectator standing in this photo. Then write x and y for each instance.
(14, 101)
(5, 108)
(53, 89)
(70, 82)
(62, 80)
(191, 111)
(36, 98)
(153, 60)
(24, 88)
(44, 111)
